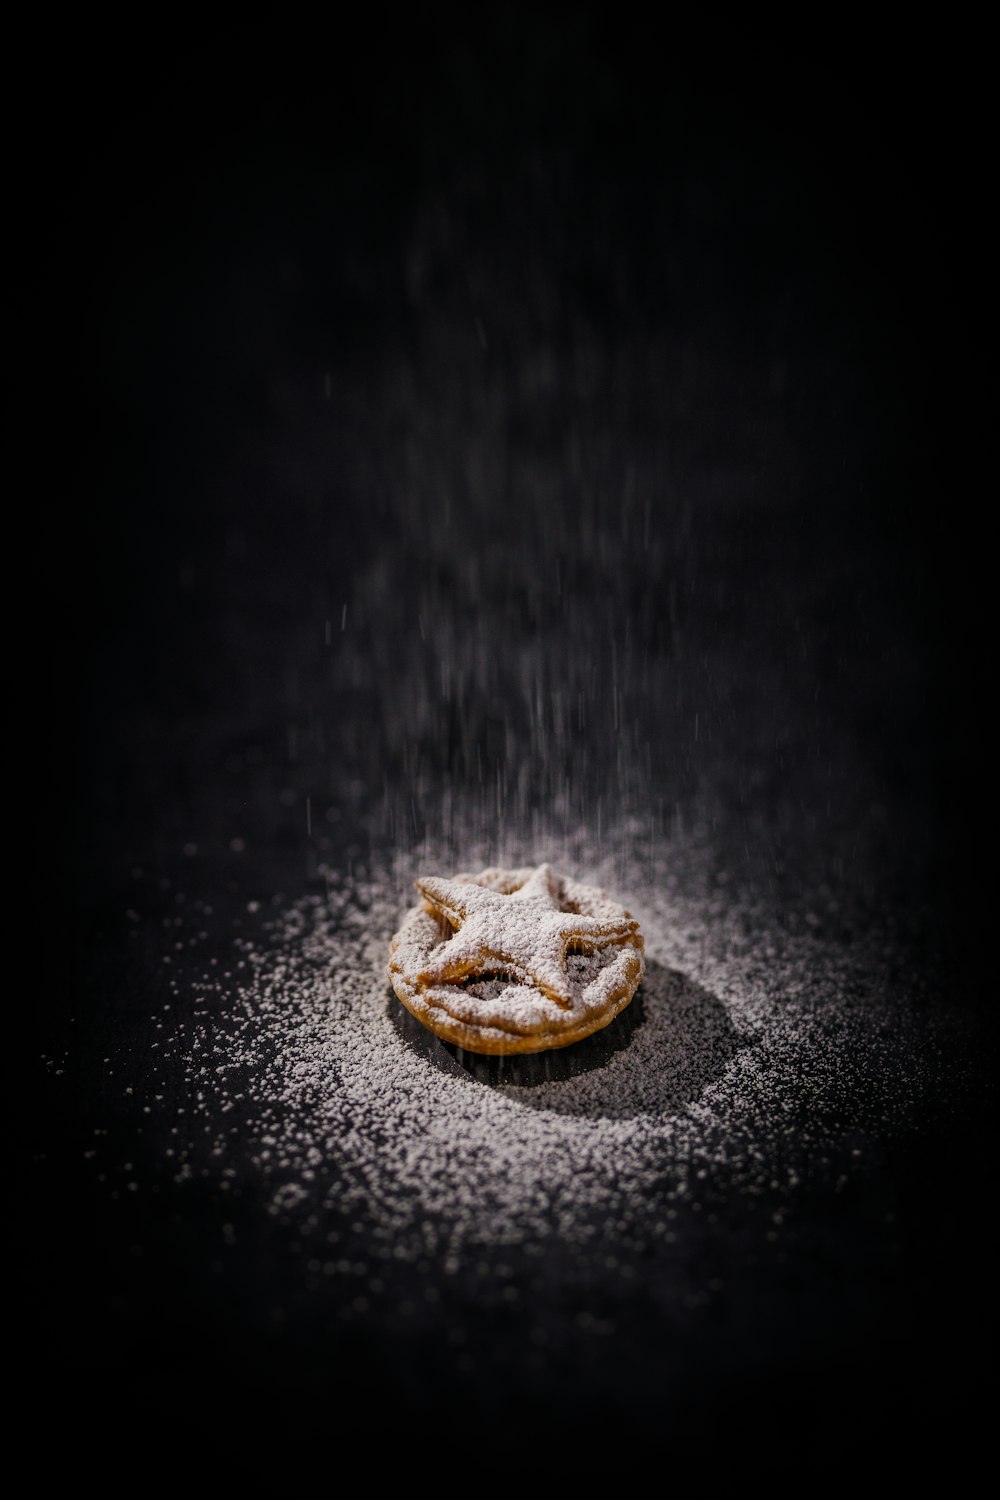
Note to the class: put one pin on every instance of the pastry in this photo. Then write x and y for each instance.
(515, 960)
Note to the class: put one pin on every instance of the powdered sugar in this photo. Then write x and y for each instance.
(748, 1057)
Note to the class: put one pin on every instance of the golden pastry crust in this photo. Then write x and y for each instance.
(511, 961)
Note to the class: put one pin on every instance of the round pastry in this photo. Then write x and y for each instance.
(515, 960)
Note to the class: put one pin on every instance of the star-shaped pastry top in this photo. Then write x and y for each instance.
(523, 934)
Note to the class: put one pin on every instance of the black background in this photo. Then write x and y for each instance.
(303, 302)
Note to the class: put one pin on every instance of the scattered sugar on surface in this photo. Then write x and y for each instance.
(755, 1059)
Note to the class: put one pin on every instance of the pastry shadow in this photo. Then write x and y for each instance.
(659, 1054)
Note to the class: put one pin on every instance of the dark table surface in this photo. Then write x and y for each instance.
(543, 402)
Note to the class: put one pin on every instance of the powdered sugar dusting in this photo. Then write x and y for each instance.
(750, 1058)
